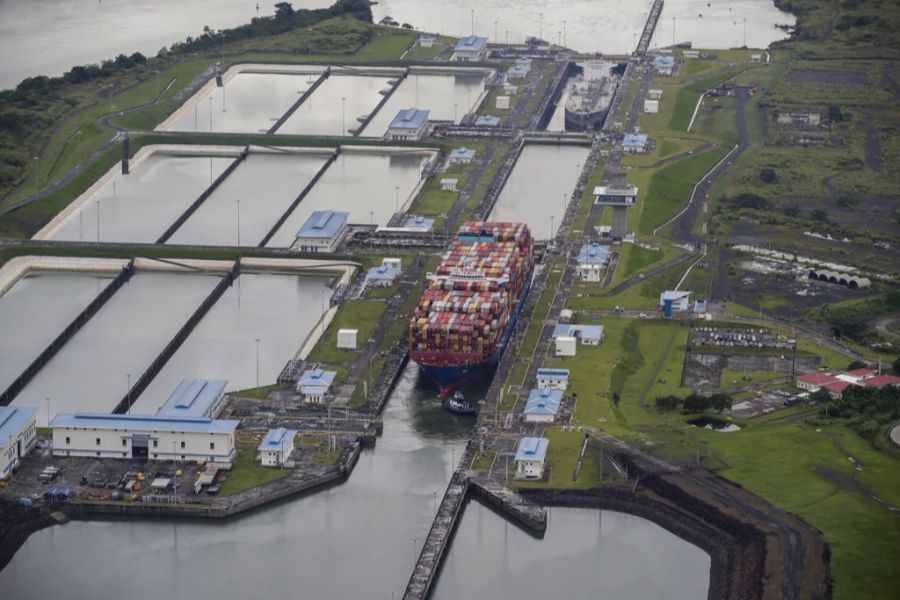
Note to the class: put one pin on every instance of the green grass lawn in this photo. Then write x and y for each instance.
(247, 472)
(562, 455)
(354, 314)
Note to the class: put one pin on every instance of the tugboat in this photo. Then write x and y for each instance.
(457, 403)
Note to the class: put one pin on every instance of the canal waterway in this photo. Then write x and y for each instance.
(540, 186)
(48, 38)
(247, 103)
(91, 372)
(584, 554)
(370, 186)
(140, 206)
(279, 310)
(447, 97)
(359, 539)
(61, 296)
(337, 106)
(250, 200)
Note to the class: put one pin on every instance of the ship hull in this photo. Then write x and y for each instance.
(450, 376)
(585, 121)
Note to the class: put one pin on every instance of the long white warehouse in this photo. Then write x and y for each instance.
(156, 437)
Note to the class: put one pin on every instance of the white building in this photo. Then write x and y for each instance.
(616, 195)
(471, 48)
(195, 398)
(461, 156)
(553, 379)
(565, 315)
(154, 437)
(654, 94)
(409, 124)
(590, 335)
(502, 102)
(530, 457)
(591, 261)
(276, 447)
(565, 345)
(314, 385)
(18, 435)
(427, 40)
(346, 338)
(449, 184)
(691, 54)
(382, 276)
(651, 106)
(510, 89)
(756, 57)
(393, 263)
(634, 143)
(543, 405)
(664, 65)
(672, 301)
(323, 231)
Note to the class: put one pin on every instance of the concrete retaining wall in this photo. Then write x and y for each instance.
(20, 266)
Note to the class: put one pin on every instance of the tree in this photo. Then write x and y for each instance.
(791, 210)
(856, 364)
(719, 402)
(283, 10)
(896, 366)
(819, 215)
(667, 402)
(768, 175)
(406, 26)
(695, 403)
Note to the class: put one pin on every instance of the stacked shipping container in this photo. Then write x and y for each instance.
(462, 316)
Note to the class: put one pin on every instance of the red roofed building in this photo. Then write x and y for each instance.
(880, 381)
(836, 388)
(811, 382)
(861, 373)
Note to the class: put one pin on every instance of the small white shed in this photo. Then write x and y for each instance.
(346, 338)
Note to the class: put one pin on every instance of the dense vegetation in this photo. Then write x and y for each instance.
(865, 410)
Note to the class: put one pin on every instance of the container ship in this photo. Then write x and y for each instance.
(590, 95)
(464, 319)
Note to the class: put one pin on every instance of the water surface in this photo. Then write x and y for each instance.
(337, 106)
(91, 372)
(540, 186)
(584, 554)
(59, 297)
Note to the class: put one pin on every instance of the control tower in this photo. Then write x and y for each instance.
(619, 195)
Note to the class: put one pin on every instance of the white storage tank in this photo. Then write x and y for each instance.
(503, 102)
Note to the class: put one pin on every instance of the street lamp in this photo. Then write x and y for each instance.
(454, 113)
(396, 198)
(98, 220)
(128, 390)
(343, 115)
(541, 27)
(323, 312)
(48, 411)
(257, 362)
(210, 114)
(551, 227)
(238, 203)
(36, 159)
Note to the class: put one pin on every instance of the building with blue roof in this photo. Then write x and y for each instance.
(543, 405)
(461, 156)
(153, 437)
(276, 448)
(518, 72)
(471, 48)
(18, 435)
(672, 301)
(409, 124)
(195, 398)
(591, 261)
(552, 379)
(418, 223)
(664, 65)
(634, 143)
(589, 335)
(530, 457)
(314, 384)
(381, 276)
(323, 231)
(487, 121)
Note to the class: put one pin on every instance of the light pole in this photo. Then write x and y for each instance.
(472, 12)
(238, 203)
(673, 30)
(371, 217)
(343, 115)
(257, 362)
(551, 227)
(48, 411)
(564, 33)
(454, 113)
(98, 220)
(323, 312)
(396, 198)
(745, 32)
(495, 32)
(128, 390)
(541, 27)
(36, 159)
(507, 36)
(415, 544)
(210, 114)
